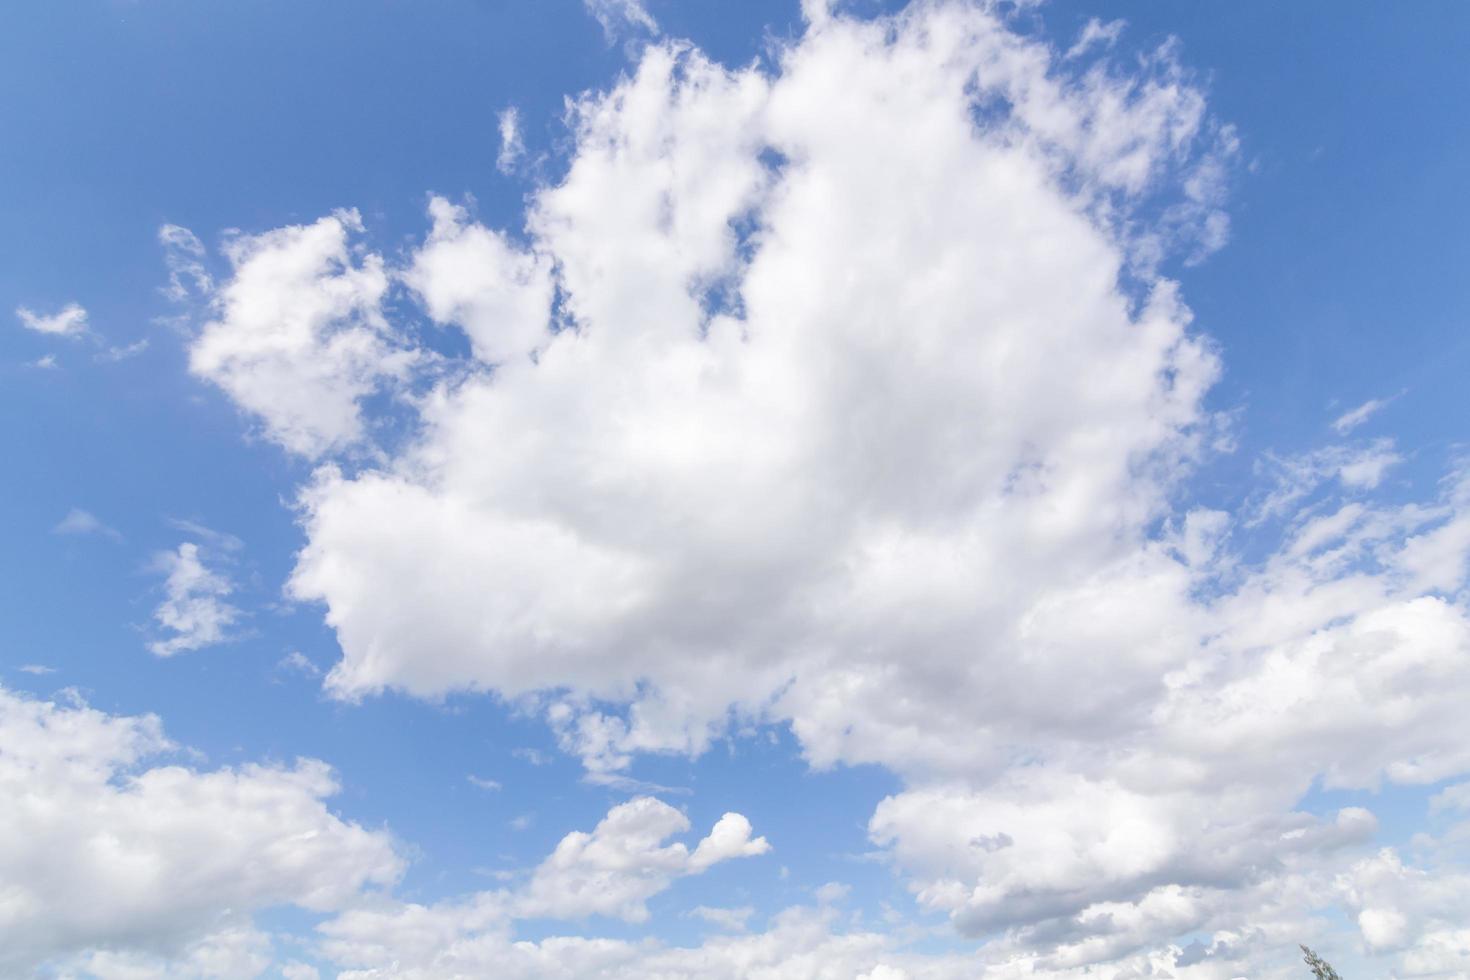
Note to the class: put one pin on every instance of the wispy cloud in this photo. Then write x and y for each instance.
(83, 522)
(621, 17)
(297, 662)
(183, 254)
(121, 353)
(1094, 34)
(69, 321)
(216, 539)
(730, 920)
(1348, 421)
(512, 147)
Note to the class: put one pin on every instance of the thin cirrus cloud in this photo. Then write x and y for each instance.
(1351, 419)
(512, 146)
(69, 321)
(620, 18)
(82, 523)
(753, 431)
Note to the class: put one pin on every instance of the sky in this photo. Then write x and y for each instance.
(679, 489)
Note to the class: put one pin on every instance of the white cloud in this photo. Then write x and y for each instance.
(38, 670)
(195, 611)
(491, 785)
(109, 860)
(765, 483)
(299, 338)
(611, 871)
(69, 321)
(1412, 912)
(235, 953)
(83, 522)
(624, 861)
(474, 278)
(470, 938)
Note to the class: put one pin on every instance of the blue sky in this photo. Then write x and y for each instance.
(930, 571)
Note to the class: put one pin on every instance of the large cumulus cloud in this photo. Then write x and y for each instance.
(846, 393)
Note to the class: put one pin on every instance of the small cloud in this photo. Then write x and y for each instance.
(1365, 470)
(78, 521)
(628, 784)
(114, 354)
(533, 756)
(832, 892)
(36, 669)
(522, 822)
(45, 363)
(296, 662)
(730, 920)
(194, 608)
(218, 539)
(1349, 421)
(485, 784)
(512, 147)
(69, 321)
(183, 254)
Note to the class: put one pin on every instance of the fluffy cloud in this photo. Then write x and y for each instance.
(195, 610)
(1416, 912)
(69, 321)
(615, 869)
(793, 422)
(471, 277)
(115, 866)
(611, 871)
(847, 394)
(299, 339)
(234, 953)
